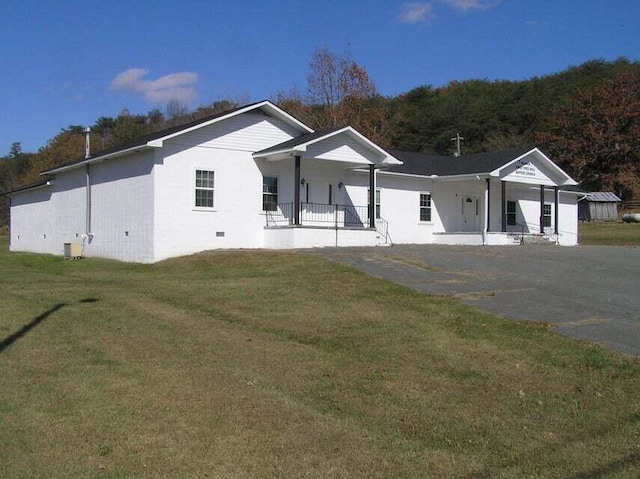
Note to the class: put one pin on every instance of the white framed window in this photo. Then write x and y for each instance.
(425, 207)
(204, 189)
(547, 215)
(378, 194)
(269, 193)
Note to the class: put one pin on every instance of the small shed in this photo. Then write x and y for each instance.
(598, 206)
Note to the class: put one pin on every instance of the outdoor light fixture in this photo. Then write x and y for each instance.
(340, 185)
(303, 181)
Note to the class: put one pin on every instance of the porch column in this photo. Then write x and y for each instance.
(541, 209)
(488, 208)
(372, 196)
(296, 191)
(556, 201)
(504, 206)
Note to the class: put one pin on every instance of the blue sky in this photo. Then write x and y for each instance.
(70, 62)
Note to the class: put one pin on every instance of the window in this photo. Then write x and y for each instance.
(425, 207)
(511, 213)
(204, 189)
(269, 193)
(547, 215)
(377, 202)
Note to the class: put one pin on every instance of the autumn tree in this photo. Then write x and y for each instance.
(596, 137)
(12, 169)
(340, 92)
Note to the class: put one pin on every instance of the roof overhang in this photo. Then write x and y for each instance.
(96, 159)
(29, 187)
(266, 106)
(301, 148)
(565, 179)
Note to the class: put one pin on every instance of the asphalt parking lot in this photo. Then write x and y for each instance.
(585, 292)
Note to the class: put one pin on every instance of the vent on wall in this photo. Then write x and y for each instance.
(219, 234)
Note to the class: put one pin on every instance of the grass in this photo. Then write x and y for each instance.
(265, 364)
(605, 233)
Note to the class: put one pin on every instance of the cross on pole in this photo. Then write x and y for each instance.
(457, 139)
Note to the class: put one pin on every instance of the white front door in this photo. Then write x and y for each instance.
(469, 210)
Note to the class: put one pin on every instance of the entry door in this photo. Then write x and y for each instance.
(469, 213)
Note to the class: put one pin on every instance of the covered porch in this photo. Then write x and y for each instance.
(325, 203)
(521, 201)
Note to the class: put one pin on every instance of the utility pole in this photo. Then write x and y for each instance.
(457, 139)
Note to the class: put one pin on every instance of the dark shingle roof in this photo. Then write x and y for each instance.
(425, 164)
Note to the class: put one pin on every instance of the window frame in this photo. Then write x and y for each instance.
(197, 188)
(547, 217)
(270, 194)
(428, 208)
(512, 216)
(378, 202)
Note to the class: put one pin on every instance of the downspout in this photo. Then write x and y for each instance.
(87, 228)
(88, 235)
(487, 197)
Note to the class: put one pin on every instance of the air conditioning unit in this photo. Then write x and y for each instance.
(72, 250)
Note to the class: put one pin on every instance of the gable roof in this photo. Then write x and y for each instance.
(156, 139)
(602, 197)
(487, 164)
(297, 142)
(300, 144)
(429, 165)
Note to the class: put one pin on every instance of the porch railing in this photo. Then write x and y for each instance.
(520, 231)
(317, 214)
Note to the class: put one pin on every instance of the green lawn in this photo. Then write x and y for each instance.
(269, 364)
(621, 234)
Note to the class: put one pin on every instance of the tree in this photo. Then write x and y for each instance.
(340, 92)
(596, 137)
(16, 149)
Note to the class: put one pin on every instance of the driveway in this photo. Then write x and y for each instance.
(586, 292)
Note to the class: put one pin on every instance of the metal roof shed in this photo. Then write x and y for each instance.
(598, 206)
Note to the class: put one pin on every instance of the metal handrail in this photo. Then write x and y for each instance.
(348, 216)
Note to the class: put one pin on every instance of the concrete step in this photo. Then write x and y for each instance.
(537, 239)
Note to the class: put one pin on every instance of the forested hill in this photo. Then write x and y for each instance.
(492, 115)
(587, 118)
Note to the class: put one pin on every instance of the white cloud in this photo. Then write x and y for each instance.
(465, 5)
(175, 86)
(415, 12)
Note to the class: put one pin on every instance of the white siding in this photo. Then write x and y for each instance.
(568, 220)
(33, 222)
(236, 220)
(122, 208)
(342, 148)
(400, 207)
(530, 171)
(226, 148)
(69, 201)
(249, 132)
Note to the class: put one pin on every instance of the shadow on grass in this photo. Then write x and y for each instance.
(27, 327)
(610, 468)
